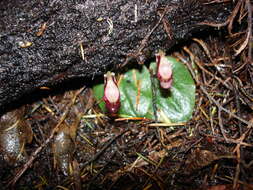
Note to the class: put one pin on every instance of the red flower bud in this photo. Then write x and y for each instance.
(111, 93)
(164, 70)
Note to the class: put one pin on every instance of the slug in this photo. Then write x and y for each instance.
(63, 149)
(15, 133)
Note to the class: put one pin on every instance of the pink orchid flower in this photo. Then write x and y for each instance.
(164, 70)
(111, 93)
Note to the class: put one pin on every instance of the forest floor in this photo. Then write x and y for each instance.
(72, 144)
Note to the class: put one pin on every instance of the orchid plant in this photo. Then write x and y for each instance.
(133, 97)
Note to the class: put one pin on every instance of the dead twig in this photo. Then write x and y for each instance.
(205, 70)
(249, 7)
(238, 152)
(229, 21)
(221, 126)
(222, 108)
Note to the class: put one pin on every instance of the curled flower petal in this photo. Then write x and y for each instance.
(164, 70)
(111, 93)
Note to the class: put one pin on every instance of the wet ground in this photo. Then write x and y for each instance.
(64, 141)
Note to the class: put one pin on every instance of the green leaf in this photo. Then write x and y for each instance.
(175, 104)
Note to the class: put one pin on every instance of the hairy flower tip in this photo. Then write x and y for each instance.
(111, 93)
(164, 70)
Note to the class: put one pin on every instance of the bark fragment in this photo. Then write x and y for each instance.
(111, 33)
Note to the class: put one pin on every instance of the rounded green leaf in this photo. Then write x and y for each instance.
(175, 104)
